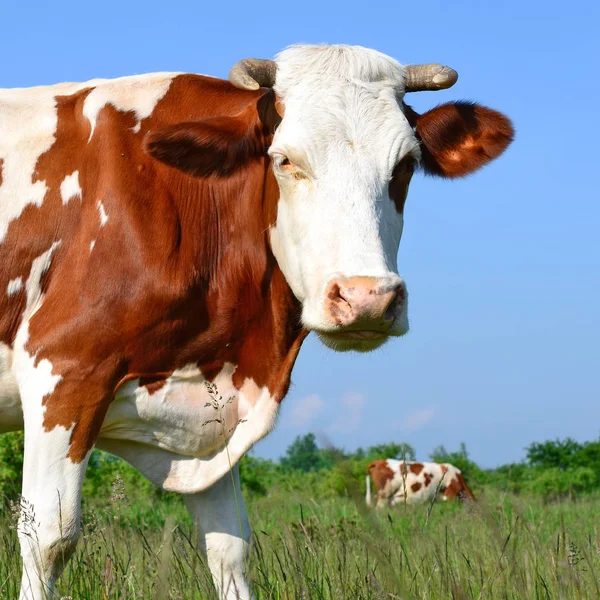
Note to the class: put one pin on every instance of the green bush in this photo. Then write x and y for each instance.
(11, 464)
(554, 483)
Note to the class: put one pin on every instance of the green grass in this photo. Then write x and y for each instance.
(503, 547)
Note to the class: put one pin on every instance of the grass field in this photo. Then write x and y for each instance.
(502, 547)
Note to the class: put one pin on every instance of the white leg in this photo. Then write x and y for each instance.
(50, 513)
(223, 534)
(52, 481)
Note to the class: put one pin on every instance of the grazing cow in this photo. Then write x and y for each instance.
(166, 235)
(410, 482)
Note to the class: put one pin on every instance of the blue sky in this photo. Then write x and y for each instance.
(503, 268)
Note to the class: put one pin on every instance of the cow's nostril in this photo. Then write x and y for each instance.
(395, 303)
(334, 293)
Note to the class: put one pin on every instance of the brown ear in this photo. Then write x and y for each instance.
(214, 146)
(460, 137)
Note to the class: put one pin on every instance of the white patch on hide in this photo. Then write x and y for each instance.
(39, 267)
(138, 93)
(14, 286)
(70, 188)
(102, 213)
(28, 120)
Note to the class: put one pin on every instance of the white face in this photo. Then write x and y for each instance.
(334, 153)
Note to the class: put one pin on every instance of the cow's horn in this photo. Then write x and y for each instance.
(420, 78)
(253, 73)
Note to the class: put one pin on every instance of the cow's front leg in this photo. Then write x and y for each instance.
(50, 508)
(62, 414)
(223, 532)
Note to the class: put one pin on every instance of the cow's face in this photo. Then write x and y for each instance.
(343, 156)
(343, 153)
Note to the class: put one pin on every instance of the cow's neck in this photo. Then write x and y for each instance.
(240, 307)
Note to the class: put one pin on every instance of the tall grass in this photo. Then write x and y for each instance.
(499, 548)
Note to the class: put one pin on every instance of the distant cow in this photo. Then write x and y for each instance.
(409, 482)
(166, 235)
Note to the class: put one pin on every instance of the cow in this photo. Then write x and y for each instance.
(411, 482)
(167, 241)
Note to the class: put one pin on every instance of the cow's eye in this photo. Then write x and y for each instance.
(283, 163)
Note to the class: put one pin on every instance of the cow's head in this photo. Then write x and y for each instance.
(343, 154)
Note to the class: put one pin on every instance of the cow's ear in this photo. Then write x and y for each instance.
(460, 137)
(213, 146)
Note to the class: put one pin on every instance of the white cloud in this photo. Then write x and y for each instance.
(350, 414)
(305, 410)
(418, 419)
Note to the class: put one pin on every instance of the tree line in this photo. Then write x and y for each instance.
(552, 470)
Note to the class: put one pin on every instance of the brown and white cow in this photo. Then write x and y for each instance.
(410, 482)
(163, 233)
